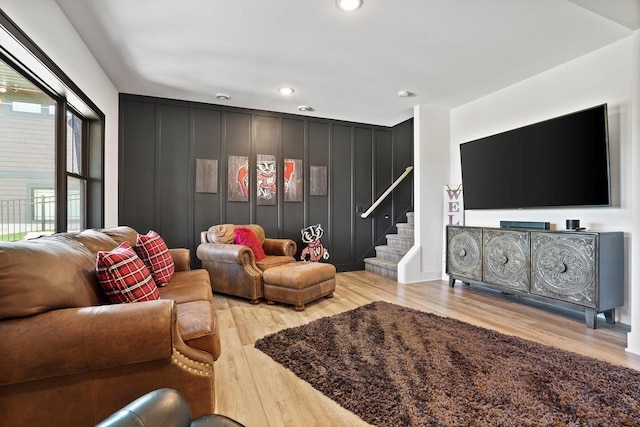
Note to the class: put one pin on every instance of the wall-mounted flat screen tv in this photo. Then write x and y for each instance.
(559, 162)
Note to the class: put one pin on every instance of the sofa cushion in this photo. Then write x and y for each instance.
(245, 236)
(223, 233)
(274, 261)
(45, 274)
(95, 241)
(153, 251)
(123, 276)
(121, 234)
(186, 286)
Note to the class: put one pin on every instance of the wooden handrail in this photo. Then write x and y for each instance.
(387, 192)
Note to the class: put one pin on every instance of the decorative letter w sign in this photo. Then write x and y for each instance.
(453, 205)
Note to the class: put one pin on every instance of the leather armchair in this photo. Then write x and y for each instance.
(232, 268)
(163, 408)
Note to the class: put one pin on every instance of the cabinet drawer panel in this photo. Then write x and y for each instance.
(506, 258)
(464, 252)
(564, 267)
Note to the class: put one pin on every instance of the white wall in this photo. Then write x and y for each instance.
(603, 76)
(431, 163)
(45, 23)
(633, 338)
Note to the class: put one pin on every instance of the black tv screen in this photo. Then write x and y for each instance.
(560, 162)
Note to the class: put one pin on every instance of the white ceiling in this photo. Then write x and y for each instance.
(347, 66)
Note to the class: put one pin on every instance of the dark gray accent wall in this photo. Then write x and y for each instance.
(160, 140)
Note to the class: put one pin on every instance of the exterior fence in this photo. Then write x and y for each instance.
(25, 218)
(20, 217)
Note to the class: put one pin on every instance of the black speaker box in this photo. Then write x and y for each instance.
(538, 225)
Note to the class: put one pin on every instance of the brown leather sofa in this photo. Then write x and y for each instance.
(232, 268)
(69, 358)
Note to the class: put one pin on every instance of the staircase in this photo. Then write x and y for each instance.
(385, 263)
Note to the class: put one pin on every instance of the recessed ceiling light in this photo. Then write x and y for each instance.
(223, 96)
(348, 5)
(285, 91)
(404, 93)
(305, 108)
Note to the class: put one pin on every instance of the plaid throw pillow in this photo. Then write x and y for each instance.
(153, 251)
(123, 276)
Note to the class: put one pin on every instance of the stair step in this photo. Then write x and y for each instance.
(398, 241)
(385, 263)
(410, 218)
(390, 253)
(405, 229)
(381, 267)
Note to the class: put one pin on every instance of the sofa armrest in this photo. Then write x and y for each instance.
(163, 408)
(284, 247)
(160, 408)
(225, 253)
(181, 258)
(75, 340)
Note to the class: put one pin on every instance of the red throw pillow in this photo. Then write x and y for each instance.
(123, 276)
(245, 236)
(153, 251)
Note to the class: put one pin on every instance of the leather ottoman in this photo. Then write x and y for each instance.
(299, 283)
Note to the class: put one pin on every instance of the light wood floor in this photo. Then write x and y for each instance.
(257, 391)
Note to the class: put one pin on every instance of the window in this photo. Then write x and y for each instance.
(27, 157)
(76, 173)
(51, 144)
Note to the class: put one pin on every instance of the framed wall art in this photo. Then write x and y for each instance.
(206, 176)
(238, 179)
(318, 178)
(266, 179)
(293, 179)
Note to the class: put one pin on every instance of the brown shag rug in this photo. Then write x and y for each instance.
(395, 366)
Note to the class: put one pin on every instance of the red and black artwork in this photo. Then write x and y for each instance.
(266, 179)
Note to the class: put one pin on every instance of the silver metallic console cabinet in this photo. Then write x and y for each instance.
(575, 269)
